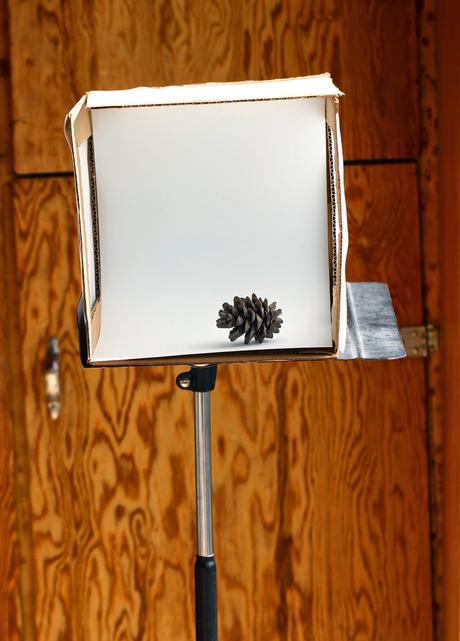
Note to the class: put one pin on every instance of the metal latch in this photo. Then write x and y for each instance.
(52, 382)
(420, 340)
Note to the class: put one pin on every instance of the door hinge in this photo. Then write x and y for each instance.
(420, 340)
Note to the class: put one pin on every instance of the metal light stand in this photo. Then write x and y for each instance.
(201, 381)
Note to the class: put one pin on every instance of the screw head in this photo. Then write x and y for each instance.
(184, 381)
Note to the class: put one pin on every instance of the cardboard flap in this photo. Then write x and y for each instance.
(78, 129)
(307, 87)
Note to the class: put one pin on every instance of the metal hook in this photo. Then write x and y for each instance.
(52, 381)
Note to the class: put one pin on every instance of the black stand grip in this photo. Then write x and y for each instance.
(205, 598)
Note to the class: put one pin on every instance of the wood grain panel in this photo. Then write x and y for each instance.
(320, 471)
(384, 232)
(112, 509)
(332, 535)
(60, 50)
(449, 194)
(9, 559)
(10, 610)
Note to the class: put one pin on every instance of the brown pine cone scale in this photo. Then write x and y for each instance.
(251, 316)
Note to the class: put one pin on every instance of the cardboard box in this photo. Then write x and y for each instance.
(188, 196)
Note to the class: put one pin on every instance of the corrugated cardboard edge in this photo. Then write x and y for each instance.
(222, 358)
(339, 301)
(343, 242)
(77, 129)
(319, 86)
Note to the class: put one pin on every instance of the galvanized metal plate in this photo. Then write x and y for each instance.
(372, 329)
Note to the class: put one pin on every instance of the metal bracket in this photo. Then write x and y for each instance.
(201, 378)
(420, 340)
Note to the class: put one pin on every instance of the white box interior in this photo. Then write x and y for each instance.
(198, 203)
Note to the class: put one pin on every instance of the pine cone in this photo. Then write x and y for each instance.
(253, 317)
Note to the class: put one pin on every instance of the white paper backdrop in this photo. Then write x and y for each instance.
(198, 203)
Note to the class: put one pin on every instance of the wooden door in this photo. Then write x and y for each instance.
(321, 469)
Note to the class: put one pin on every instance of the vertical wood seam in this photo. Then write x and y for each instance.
(428, 177)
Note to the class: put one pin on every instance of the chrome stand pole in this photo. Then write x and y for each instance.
(201, 381)
(203, 475)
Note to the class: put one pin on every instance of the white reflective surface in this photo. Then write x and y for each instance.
(198, 203)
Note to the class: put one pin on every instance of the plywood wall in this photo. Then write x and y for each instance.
(449, 103)
(319, 469)
(10, 612)
(321, 484)
(60, 50)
